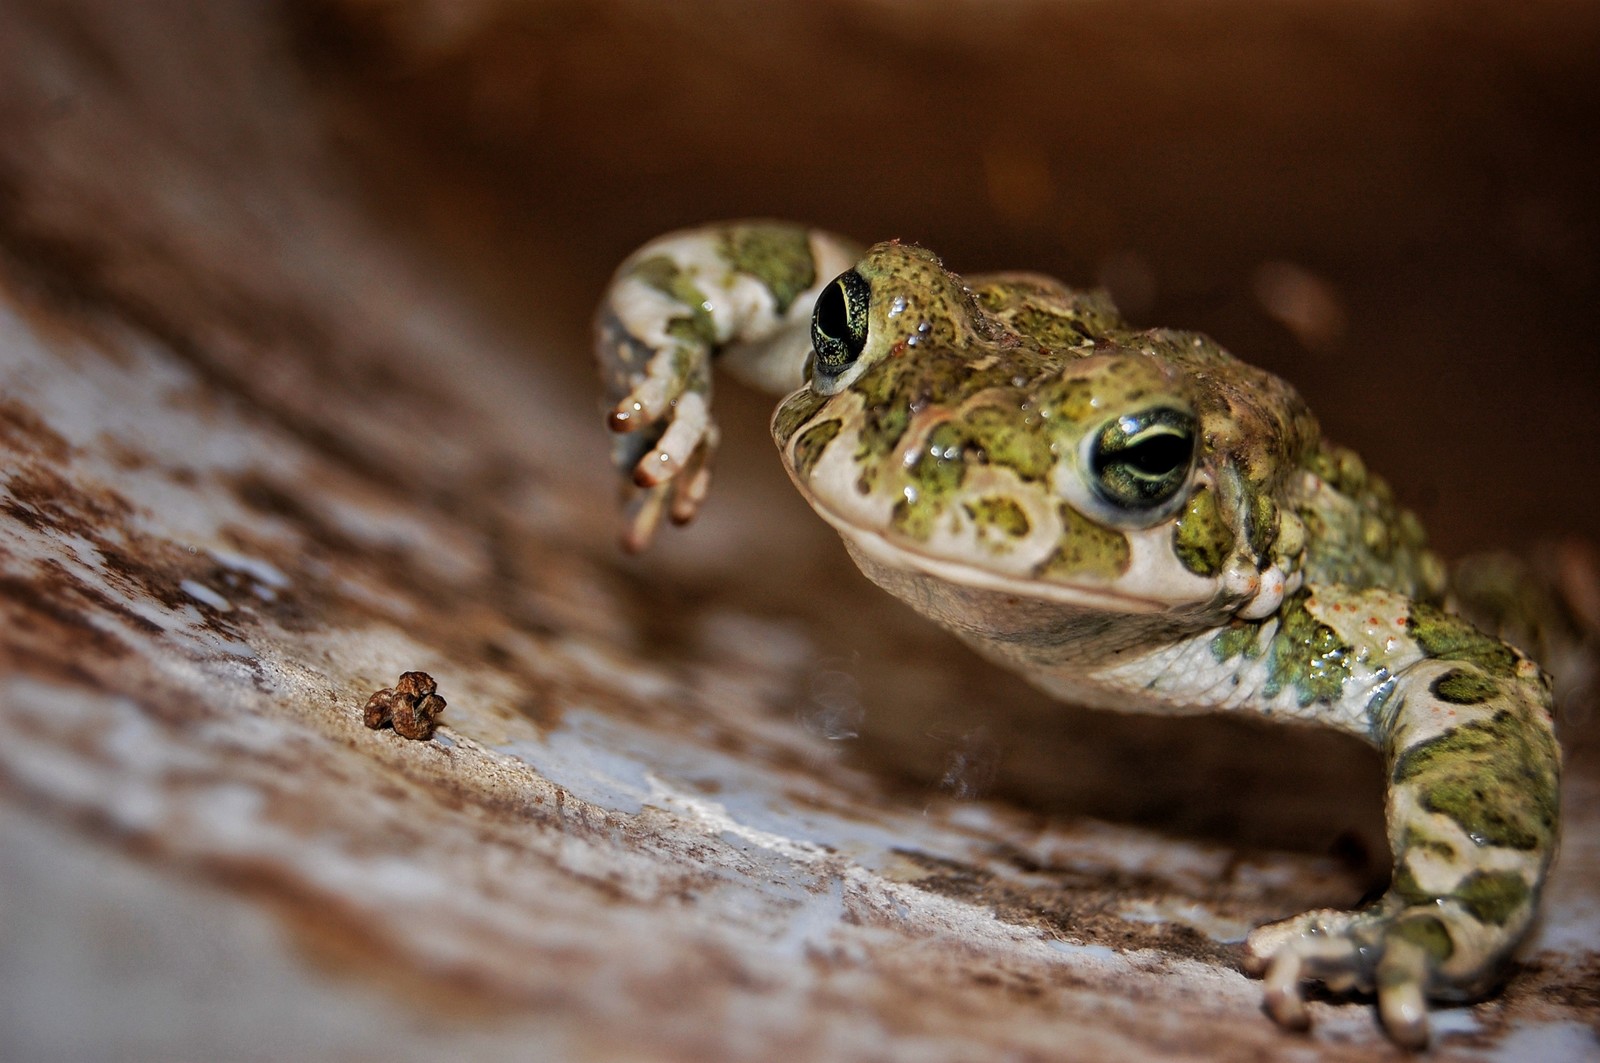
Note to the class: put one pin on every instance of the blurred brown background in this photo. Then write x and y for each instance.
(1393, 205)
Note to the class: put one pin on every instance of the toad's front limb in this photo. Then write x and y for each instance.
(1472, 807)
(739, 293)
(1465, 726)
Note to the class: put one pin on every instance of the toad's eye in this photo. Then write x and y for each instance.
(1141, 461)
(839, 324)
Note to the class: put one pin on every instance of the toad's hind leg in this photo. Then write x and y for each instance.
(1472, 817)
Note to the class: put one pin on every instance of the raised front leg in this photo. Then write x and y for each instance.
(1466, 729)
(738, 292)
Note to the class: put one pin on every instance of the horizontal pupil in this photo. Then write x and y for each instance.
(1140, 461)
(1157, 455)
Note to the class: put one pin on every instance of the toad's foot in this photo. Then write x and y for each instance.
(671, 479)
(661, 412)
(1407, 954)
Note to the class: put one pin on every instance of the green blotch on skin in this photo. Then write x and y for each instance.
(942, 465)
(1307, 655)
(1047, 327)
(1461, 687)
(779, 256)
(812, 442)
(1200, 538)
(1429, 933)
(1496, 778)
(664, 275)
(793, 412)
(1240, 638)
(887, 392)
(1006, 442)
(689, 364)
(1450, 638)
(905, 380)
(939, 470)
(1261, 525)
(695, 331)
(1406, 887)
(1414, 839)
(1085, 549)
(1492, 896)
(1000, 514)
(1070, 399)
(912, 520)
(1053, 317)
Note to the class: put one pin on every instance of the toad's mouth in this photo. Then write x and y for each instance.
(1149, 585)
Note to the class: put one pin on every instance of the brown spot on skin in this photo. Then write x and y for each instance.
(410, 706)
